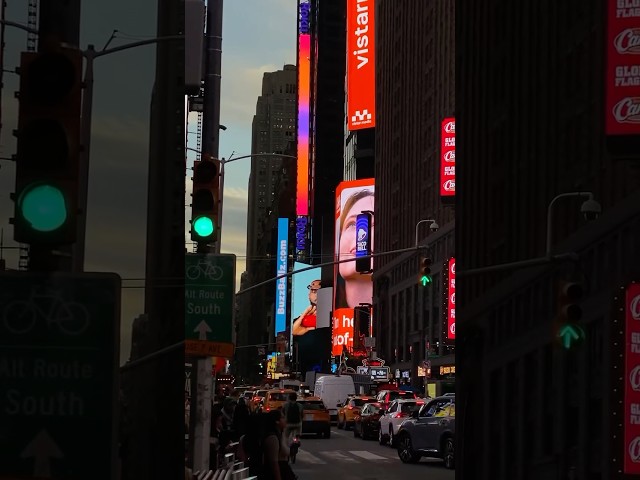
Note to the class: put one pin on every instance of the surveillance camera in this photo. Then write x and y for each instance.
(591, 209)
(434, 227)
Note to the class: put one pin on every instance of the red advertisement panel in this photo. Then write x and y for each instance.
(451, 302)
(361, 70)
(622, 107)
(632, 382)
(448, 158)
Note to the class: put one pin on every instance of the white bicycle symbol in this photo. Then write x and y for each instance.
(20, 316)
(211, 272)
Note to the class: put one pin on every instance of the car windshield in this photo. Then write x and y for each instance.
(397, 395)
(279, 397)
(313, 405)
(374, 408)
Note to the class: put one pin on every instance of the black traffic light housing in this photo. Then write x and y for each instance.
(569, 294)
(48, 147)
(205, 200)
(424, 269)
(361, 323)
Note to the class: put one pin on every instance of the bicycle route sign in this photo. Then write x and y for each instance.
(59, 338)
(209, 304)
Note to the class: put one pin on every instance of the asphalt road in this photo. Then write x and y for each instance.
(343, 457)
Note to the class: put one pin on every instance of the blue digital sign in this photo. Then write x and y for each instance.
(282, 257)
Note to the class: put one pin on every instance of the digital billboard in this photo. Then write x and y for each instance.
(304, 299)
(282, 257)
(448, 158)
(632, 382)
(351, 288)
(451, 299)
(361, 70)
(304, 98)
(622, 106)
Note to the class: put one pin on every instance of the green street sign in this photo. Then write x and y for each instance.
(209, 292)
(59, 338)
(570, 334)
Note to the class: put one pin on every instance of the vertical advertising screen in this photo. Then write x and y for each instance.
(361, 70)
(632, 381)
(448, 158)
(304, 300)
(304, 97)
(622, 106)
(351, 288)
(451, 299)
(363, 245)
(302, 237)
(282, 257)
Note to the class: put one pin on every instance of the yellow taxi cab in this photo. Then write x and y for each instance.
(275, 399)
(315, 417)
(348, 410)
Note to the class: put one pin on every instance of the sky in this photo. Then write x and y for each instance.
(258, 36)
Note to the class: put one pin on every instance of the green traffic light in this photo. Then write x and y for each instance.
(571, 334)
(44, 208)
(426, 279)
(203, 226)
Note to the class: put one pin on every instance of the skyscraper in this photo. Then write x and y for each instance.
(415, 91)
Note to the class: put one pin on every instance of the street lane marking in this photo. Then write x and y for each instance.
(306, 457)
(367, 455)
(336, 455)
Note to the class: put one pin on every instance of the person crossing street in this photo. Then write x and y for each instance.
(293, 414)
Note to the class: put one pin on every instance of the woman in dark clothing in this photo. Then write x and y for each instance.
(275, 451)
(240, 418)
(250, 448)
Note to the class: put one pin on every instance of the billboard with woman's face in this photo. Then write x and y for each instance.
(351, 288)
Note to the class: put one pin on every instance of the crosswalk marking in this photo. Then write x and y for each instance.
(339, 456)
(306, 457)
(368, 455)
(331, 456)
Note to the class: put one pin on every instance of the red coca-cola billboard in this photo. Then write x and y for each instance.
(448, 158)
(622, 106)
(451, 300)
(632, 381)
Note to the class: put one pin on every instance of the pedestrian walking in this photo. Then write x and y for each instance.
(293, 415)
(275, 451)
(240, 418)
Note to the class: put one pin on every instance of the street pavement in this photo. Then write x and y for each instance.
(343, 457)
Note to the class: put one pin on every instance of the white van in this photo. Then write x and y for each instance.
(288, 384)
(333, 389)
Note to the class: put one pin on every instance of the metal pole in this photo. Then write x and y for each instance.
(210, 146)
(83, 174)
(221, 203)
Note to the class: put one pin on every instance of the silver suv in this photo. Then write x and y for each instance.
(430, 432)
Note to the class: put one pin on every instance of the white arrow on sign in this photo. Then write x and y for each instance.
(42, 448)
(202, 330)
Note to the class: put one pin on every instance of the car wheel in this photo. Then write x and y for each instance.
(448, 453)
(392, 440)
(327, 434)
(363, 433)
(381, 440)
(340, 426)
(405, 450)
(355, 432)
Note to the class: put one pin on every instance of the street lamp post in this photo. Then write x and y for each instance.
(433, 225)
(590, 208)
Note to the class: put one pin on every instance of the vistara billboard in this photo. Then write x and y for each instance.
(361, 70)
(622, 107)
(351, 288)
(448, 157)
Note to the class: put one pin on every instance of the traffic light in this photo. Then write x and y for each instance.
(361, 322)
(569, 313)
(425, 271)
(205, 200)
(48, 147)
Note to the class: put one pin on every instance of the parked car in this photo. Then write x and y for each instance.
(348, 410)
(367, 423)
(390, 420)
(430, 432)
(315, 417)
